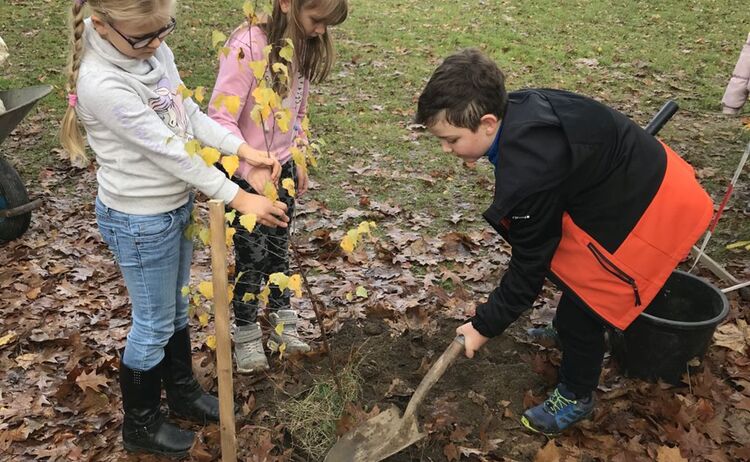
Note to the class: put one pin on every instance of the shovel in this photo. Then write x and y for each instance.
(387, 433)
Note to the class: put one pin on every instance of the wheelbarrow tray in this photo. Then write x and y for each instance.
(18, 102)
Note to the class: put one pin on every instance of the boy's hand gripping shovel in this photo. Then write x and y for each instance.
(387, 433)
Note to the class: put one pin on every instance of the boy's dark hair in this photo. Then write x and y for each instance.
(467, 86)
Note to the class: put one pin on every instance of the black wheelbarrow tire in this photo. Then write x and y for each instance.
(12, 194)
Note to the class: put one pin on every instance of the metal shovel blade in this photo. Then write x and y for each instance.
(388, 432)
(379, 437)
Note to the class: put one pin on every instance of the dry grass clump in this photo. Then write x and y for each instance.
(312, 419)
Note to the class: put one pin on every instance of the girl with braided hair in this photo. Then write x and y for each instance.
(122, 84)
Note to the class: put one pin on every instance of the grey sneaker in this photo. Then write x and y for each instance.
(248, 349)
(289, 334)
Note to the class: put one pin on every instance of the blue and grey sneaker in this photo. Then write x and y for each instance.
(545, 336)
(558, 412)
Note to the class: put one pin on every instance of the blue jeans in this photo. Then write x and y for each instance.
(154, 257)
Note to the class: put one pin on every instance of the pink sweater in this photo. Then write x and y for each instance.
(235, 78)
(739, 85)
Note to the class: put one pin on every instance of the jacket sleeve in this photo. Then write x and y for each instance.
(233, 79)
(738, 87)
(535, 231)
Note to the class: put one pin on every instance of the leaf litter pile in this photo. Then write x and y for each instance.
(390, 308)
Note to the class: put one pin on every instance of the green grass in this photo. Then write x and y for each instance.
(639, 54)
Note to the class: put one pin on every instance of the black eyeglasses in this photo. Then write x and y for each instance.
(142, 42)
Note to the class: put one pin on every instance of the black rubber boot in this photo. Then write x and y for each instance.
(145, 429)
(185, 396)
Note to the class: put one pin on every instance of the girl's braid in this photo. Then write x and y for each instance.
(70, 133)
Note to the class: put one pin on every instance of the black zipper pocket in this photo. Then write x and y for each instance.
(616, 272)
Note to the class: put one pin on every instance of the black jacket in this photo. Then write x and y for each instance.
(563, 152)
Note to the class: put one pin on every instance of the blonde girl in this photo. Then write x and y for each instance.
(265, 250)
(122, 86)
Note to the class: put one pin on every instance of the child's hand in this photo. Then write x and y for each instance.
(260, 159)
(473, 340)
(269, 213)
(258, 178)
(303, 181)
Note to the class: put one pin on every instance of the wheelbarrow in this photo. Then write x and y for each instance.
(15, 206)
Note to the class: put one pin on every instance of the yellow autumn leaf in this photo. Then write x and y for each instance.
(210, 155)
(266, 97)
(258, 68)
(7, 338)
(256, 114)
(248, 221)
(248, 297)
(288, 184)
(283, 119)
(349, 296)
(282, 350)
(211, 342)
(305, 123)
(267, 51)
(248, 8)
(311, 159)
(364, 228)
(230, 235)
(297, 155)
(280, 68)
(737, 245)
(299, 158)
(232, 103)
(230, 164)
(200, 94)
(230, 216)
(218, 101)
(185, 291)
(184, 91)
(287, 52)
(347, 244)
(279, 329)
(217, 37)
(353, 235)
(281, 280)
(191, 231)
(269, 190)
(192, 147)
(263, 295)
(225, 51)
(295, 284)
(205, 235)
(361, 292)
(203, 319)
(206, 288)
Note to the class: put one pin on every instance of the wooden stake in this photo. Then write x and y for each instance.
(221, 323)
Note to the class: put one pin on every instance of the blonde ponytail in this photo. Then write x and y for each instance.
(70, 130)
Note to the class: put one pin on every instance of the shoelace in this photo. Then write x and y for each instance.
(253, 346)
(557, 401)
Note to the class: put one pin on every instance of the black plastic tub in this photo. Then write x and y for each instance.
(674, 329)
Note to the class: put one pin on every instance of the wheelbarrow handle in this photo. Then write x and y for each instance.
(665, 113)
(433, 375)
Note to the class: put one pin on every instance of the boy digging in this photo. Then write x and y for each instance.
(584, 196)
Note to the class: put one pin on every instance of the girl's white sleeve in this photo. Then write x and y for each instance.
(137, 127)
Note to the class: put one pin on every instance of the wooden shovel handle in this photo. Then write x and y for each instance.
(434, 374)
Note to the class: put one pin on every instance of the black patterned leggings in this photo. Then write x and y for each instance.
(258, 254)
